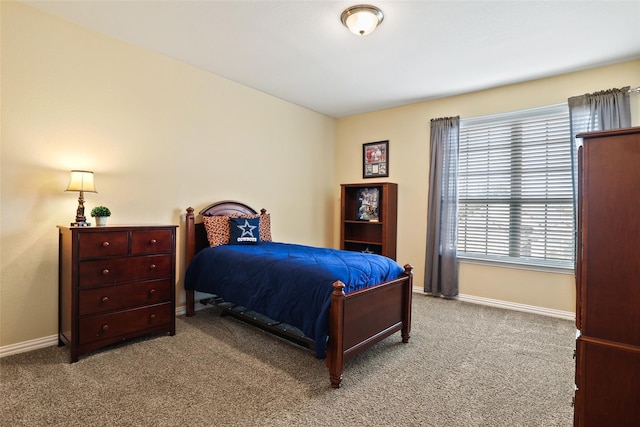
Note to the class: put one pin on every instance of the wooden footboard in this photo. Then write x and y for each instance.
(360, 319)
(357, 320)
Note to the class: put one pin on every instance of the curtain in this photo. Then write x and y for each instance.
(604, 110)
(608, 109)
(441, 266)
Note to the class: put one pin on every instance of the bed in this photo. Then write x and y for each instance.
(352, 320)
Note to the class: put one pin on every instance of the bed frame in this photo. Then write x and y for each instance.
(357, 320)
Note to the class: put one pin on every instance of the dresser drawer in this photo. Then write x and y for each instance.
(151, 242)
(124, 322)
(98, 300)
(102, 244)
(115, 283)
(118, 270)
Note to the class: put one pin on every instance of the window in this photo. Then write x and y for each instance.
(515, 188)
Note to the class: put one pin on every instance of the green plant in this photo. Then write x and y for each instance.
(100, 211)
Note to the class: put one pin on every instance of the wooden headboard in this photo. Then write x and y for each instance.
(196, 235)
(227, 208)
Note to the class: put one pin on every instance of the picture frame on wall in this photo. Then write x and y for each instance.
(375, 159)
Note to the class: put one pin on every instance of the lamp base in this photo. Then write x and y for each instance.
(81, 224)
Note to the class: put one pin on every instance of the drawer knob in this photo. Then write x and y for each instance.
(105, 299)
(152, 266)
(152, 317)
(105, 272)
(153, 241)
(105, 328)
(151, 292)
(105, 244)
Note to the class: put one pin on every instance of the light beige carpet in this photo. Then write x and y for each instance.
(465, 365)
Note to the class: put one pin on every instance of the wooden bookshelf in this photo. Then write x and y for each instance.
(369, 218)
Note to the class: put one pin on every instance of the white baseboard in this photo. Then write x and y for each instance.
(182, 310)
(568, 315)
(25, 346)
(51, 340)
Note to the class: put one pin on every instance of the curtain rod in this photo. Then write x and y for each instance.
(635, 89)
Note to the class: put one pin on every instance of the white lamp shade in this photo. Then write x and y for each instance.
(362, 19)
(81, 181)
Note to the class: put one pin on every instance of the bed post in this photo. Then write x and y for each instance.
(335, 346)
(190, 241)
(406, 307)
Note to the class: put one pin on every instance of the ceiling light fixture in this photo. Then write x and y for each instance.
(362, 19)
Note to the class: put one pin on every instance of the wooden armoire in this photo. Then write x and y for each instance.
(608, 280)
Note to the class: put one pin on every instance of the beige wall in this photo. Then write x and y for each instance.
(159, 135)
(407, 129)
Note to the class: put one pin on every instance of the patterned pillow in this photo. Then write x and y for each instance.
(217, 229)
(265, 225)
(244, 231)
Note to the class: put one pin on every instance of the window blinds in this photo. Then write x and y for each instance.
(515, 187)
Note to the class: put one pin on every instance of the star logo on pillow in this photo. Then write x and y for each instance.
(247, 229)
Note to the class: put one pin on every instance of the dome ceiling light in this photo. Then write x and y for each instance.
(362, 19)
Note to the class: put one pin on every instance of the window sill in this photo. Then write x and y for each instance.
(516, 265)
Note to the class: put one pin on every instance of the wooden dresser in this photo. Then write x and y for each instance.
(608, 280)
(115, 283)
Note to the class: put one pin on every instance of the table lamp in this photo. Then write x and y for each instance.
(81, 181)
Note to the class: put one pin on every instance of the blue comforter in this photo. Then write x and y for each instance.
(286, 282)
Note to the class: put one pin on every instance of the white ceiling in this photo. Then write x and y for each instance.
(299, 51)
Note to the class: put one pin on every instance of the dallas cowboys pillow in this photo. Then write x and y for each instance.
(244, 231)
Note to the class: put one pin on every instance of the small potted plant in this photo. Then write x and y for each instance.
(101, 213)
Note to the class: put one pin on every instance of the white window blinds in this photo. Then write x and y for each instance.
(515, 188)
